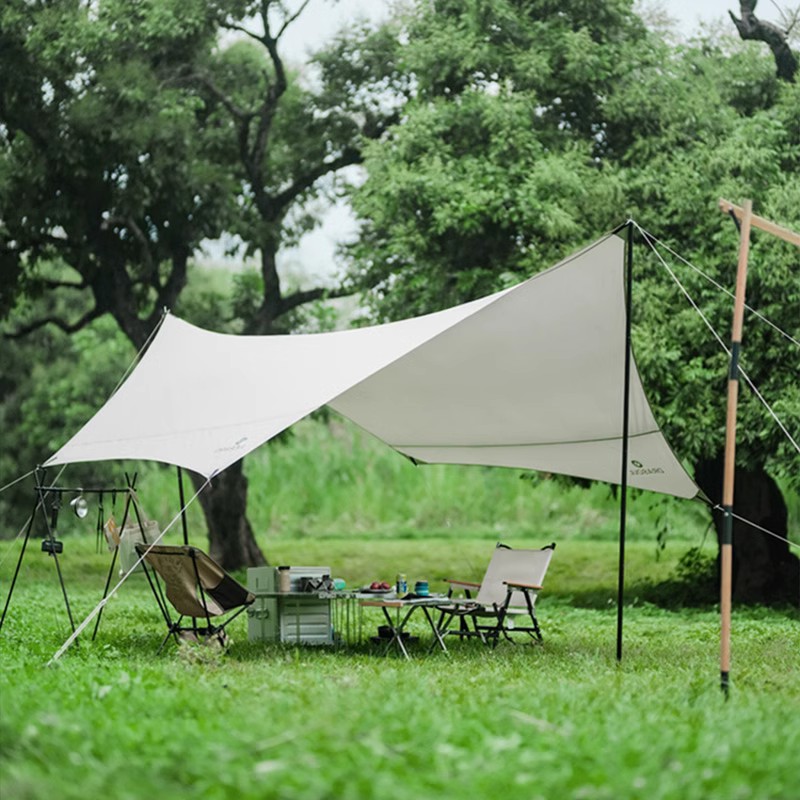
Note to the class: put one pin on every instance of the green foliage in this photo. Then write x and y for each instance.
(716, 123)
(286, 137)
(101, 161)
(493, 171)
(752, 156)
(561, 720)
(68, 392)
(209, 298)
(248, 290)
(456, 202)
(53, 383)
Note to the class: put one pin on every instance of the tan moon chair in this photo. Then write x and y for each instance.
(198, 589)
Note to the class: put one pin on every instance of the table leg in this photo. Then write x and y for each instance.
(397, 631)
(437, 637)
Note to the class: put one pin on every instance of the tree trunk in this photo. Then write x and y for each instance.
(750, 27)
(230, 535)
(764, 569)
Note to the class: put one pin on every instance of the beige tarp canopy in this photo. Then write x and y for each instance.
(531, 377)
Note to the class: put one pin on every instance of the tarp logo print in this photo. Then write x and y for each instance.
(239, 444)
(641, 469)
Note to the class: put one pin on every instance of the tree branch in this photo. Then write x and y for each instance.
(53, 284)
(232, 26)
(275, 91)
(754, 29)
(176, 281)
(309, 295)
(349, 156)
(234, 110)
(67, 327)
(290, 19)
(138, 234)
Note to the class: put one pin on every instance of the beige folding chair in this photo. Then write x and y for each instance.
(197, 587)
(505, 598)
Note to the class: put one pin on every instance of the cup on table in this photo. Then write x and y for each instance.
(284, 579)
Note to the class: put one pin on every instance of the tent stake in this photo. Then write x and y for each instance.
(623, 500)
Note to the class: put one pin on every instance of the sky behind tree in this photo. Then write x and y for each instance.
(323, 18)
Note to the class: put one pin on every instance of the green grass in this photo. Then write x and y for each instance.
(562, 720)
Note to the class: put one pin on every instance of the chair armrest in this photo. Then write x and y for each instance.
(462, 584)
(516, 585)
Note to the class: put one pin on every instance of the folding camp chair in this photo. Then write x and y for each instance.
(197, 587)
(505, 597)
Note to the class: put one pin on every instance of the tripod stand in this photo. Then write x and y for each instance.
(46, 507)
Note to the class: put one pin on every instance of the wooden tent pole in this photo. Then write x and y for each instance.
(761, 223)
(747, 219)
(726, 547)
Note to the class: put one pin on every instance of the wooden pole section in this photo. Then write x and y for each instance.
(747, 219)
(726, 548)
(761, 223)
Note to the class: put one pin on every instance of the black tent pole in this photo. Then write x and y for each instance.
(623, 500)
(183, 507)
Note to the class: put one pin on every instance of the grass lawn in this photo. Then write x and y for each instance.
(561, 720)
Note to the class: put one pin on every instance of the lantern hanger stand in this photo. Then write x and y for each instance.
(48, 501)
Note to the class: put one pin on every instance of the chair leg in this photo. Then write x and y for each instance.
(173, 631)
(532, 614)
(536, 630)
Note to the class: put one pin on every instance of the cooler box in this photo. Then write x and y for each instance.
(263, 623)
(295, 618)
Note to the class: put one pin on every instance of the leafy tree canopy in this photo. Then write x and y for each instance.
(101, 167)
(496, 166)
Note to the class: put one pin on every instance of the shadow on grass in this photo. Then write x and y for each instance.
(694, 583)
